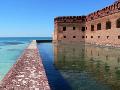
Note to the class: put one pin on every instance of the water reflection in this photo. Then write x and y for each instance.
(88, 67)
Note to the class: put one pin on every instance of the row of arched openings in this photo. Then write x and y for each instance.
(108, 25)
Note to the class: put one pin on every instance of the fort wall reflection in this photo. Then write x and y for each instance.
(103, 64)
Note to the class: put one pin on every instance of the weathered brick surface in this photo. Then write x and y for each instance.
(74, 21)
(28, 73)
(113, 33)
(110, 13)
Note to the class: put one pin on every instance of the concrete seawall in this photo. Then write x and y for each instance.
(27, 73)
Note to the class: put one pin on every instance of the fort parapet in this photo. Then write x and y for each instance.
(70, 19)
(112, 9)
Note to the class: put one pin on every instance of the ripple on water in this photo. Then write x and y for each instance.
(10, 43)
(13, 49)
(9, 53)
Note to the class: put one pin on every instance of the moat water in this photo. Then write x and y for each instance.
(79, 67)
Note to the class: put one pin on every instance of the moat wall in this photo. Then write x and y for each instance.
(27, 73)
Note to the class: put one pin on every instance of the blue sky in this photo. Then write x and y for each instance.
(35, 18)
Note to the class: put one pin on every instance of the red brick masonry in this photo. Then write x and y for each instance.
(90, 29)
(27, 74)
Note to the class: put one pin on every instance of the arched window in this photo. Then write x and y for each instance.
(119, 37)
(83, 29)
(118, 23)
(74, 28)
(64, 28)
(92, 27)
(99, 26)
(108, 25)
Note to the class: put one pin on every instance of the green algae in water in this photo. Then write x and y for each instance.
(83, 67)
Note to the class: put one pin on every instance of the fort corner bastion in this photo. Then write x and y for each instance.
(101, 27)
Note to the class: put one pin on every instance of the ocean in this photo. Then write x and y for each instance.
(24, 38)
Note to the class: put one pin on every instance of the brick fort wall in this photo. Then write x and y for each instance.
(101, 27)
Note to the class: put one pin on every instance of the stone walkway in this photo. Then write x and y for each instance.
(28, 73)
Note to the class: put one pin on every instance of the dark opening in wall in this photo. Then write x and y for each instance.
(83, 29)
(74, 36)
(107, 37)
(91, 36)
(83, 36)
(64, 28)
(74, 20)
(108, 25)
(86, 36)
(98, 36)
(86, 28)
(119, 37)
(64, 21)
(119, 8)
(99, 26)
(91, 18)
(74, 28)
(91, 53)
(64, 36)
(98, 54)
(92, 27)
(83, 20)
(118, 23)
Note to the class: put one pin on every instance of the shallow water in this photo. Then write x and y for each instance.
(10, 50)
(79, 67)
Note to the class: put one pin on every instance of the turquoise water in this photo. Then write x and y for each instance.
(9, 54)
(24, 38)
(10, 49)
(80, 67)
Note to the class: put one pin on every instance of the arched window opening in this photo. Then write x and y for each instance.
(118, 23)
(107, 37)
(64, 28)
(74, 28)
(99, 26)
(108, 25)
(83, 29)
(92, 27)
(119, 37)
